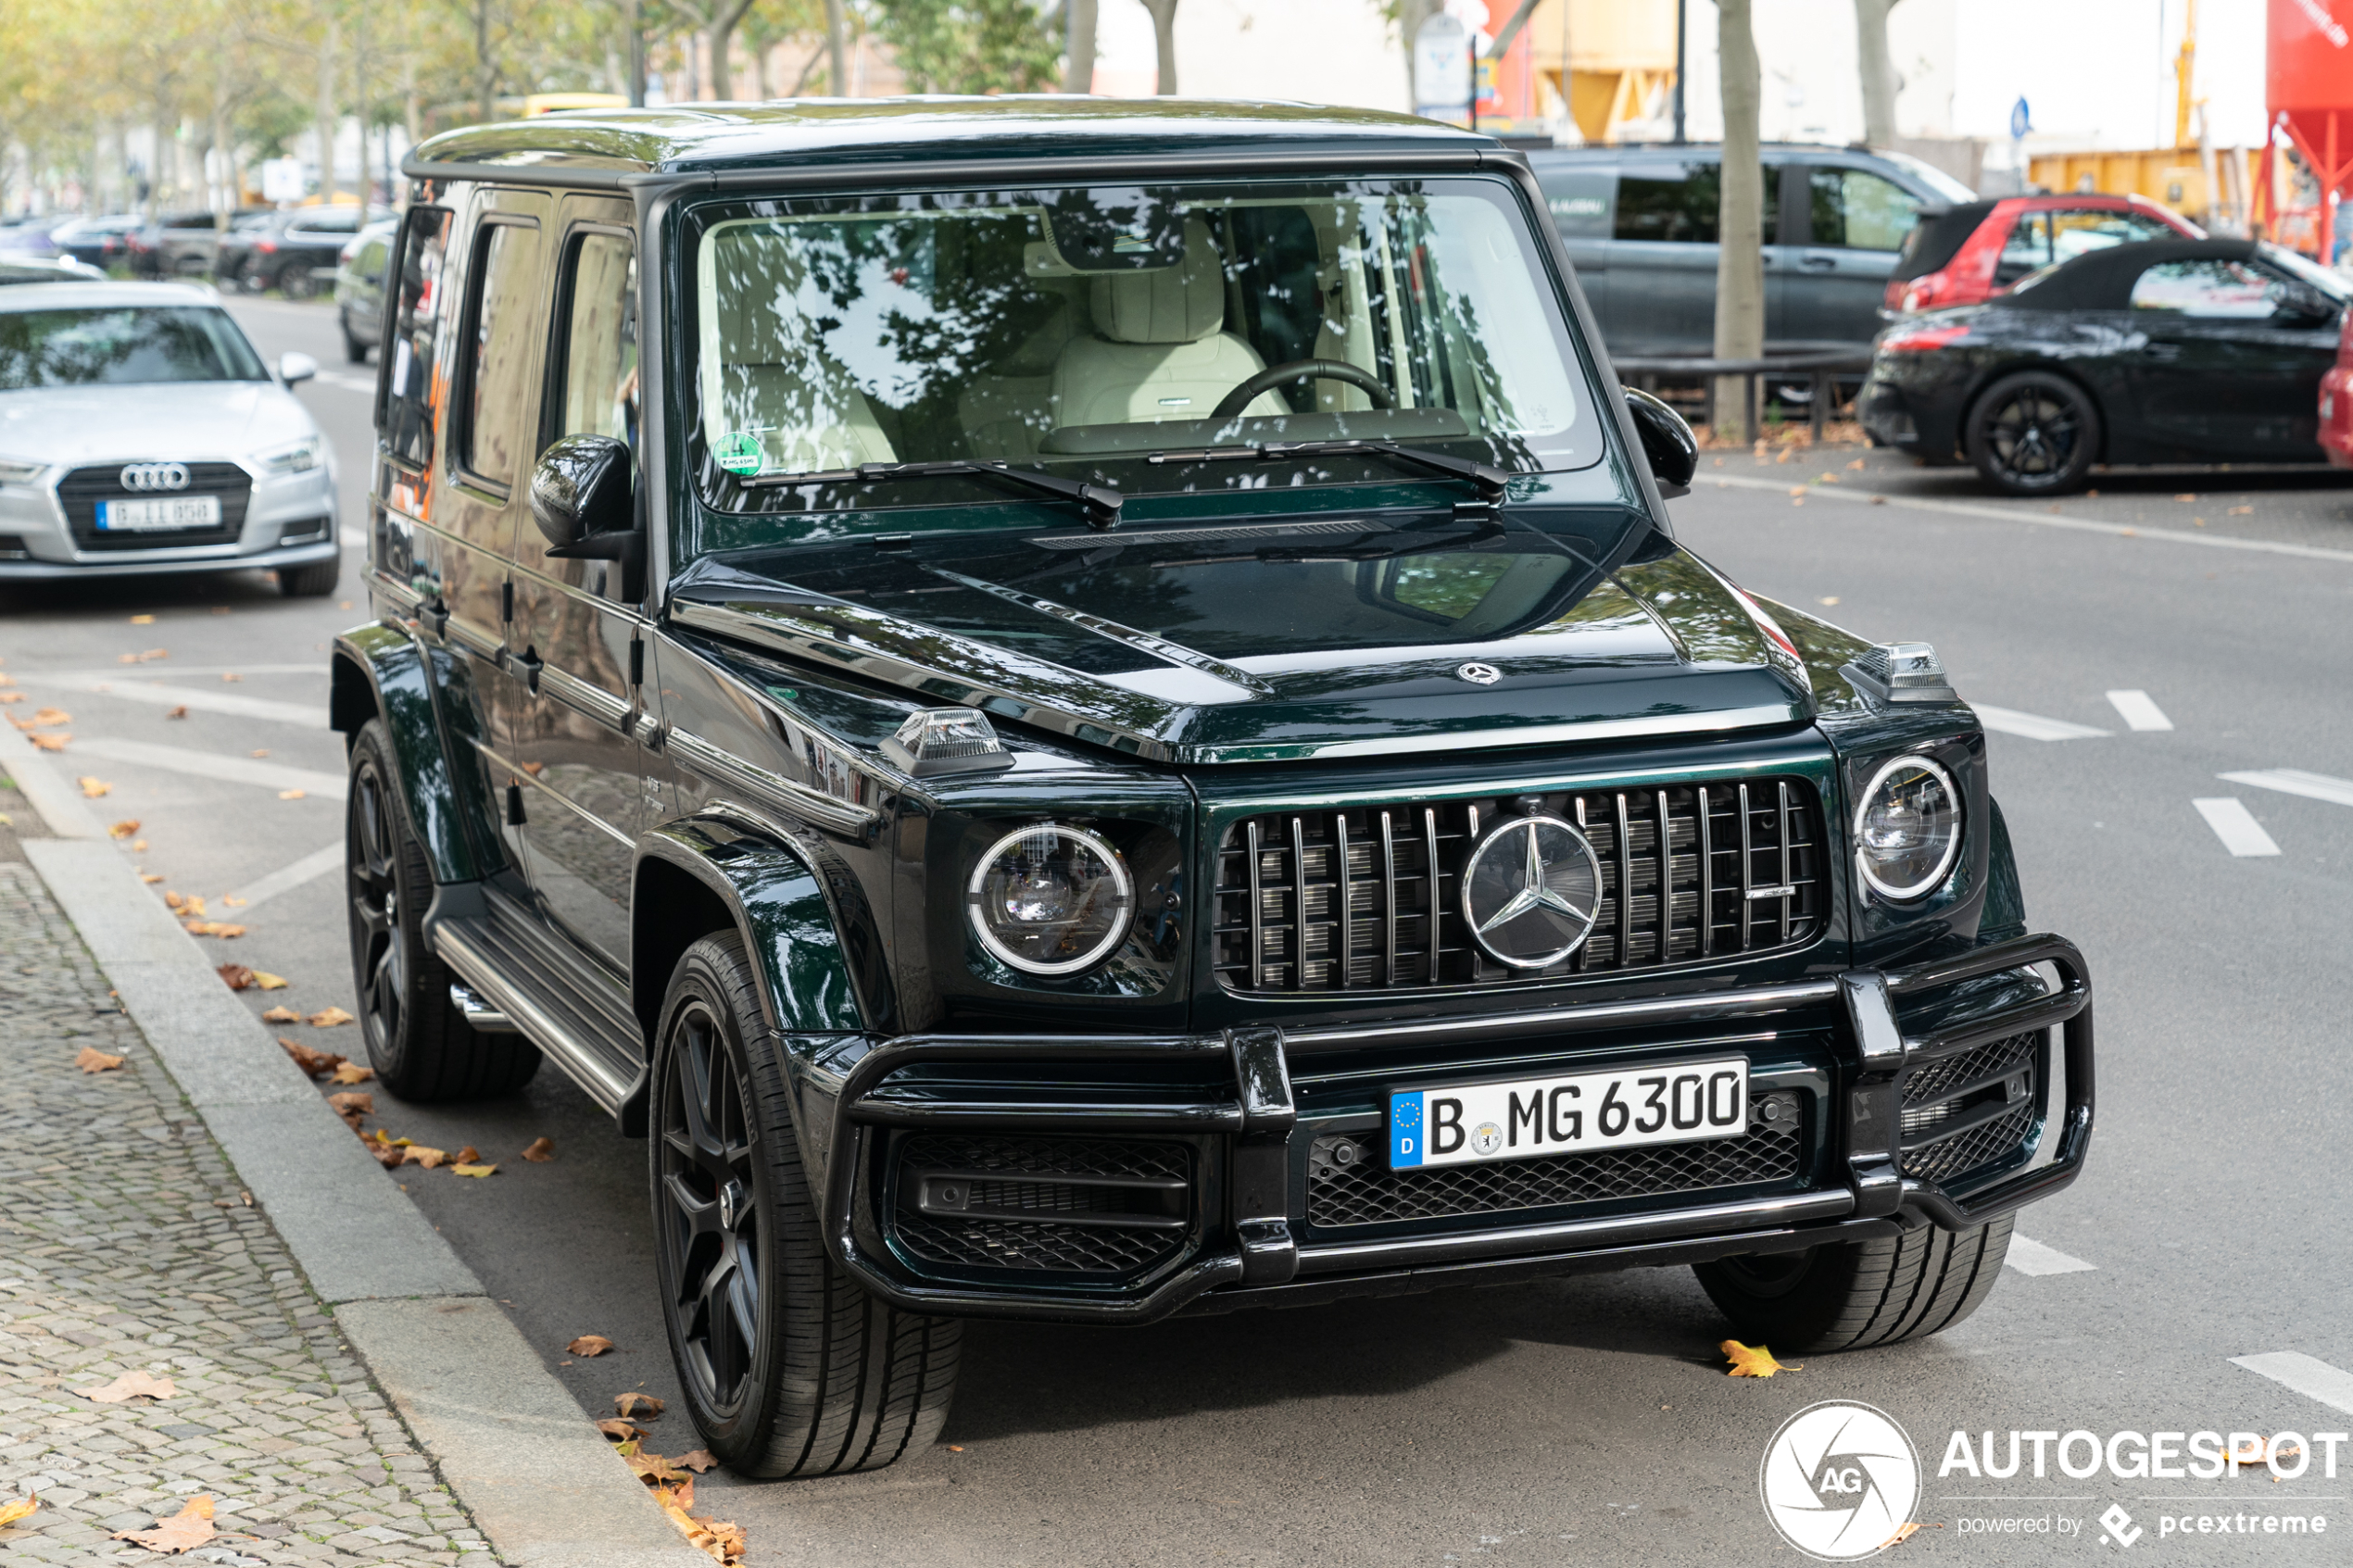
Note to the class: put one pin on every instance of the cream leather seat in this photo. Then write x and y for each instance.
(777, 380)
(1159, 350)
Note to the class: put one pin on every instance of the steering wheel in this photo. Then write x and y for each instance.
(1274, 376)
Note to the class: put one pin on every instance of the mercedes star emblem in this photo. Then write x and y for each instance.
(1480, 674)
(1530, 891)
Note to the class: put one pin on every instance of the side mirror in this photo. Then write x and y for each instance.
(294, 366)
(2305, 307)
(584, 499)
(1668, 442)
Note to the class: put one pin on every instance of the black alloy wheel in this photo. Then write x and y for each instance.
(788, 1367)
(295, 280)
(2034, 433)
(419, 1043)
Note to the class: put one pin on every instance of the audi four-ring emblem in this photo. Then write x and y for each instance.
(154, 476)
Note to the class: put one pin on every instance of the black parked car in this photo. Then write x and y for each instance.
(2164, 351)
(1082, 711)
(359, 287)
(293, 251)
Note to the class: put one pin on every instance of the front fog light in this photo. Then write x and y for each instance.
(1049, 899)
(1908, 832)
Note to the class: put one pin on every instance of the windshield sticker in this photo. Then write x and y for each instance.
(738, 451)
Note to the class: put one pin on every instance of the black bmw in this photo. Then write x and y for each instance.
(2166, 351)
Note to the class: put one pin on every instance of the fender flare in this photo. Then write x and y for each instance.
(380, 671)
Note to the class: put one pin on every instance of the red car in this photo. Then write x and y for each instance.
(2336, 400)
(1962, 254)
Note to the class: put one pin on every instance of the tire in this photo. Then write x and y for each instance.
(1859, 1295)
(420, 1045)
(313, 581)
(789, 1368)
(354, 351)
(295, 280)
(2033, 434)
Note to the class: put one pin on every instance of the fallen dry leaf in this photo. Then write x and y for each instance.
(2264, 1450)
(49, 718)
(12, 1512)
(226, 676)
(1855, 464)
(653, 1468)
(290, 795)
(327, 1018)
(430, 1158)
(11, 697)
(50, 743)
(636, 1404)
(541, 1151)
(262, 752)
(267, 980)
(476, 1171)
(312, 1062)
(130, 1386)
(589, 1345)
(143, 621)
(352, 1072)
(717, 1540)
(349, 1105)
(618, 1431)
(179, 713)
(388, 1156)
(283, 1014)
(151, 655)
(123, 829)
(92, 1060)
(234, 901)
(192, 1526)
(212, 928)
(468, 1155)
(1905, 1532)
(699, 1461)
(1752, 1361)
(149, 877)
(236, 977)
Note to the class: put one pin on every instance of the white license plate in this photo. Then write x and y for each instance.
(144, 517)
(1466, 1123)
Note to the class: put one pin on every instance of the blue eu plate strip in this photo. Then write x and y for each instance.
(1404, 1130)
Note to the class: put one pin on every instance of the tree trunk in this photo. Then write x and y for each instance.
(636, 22)
(330, 52)
(1879, 72)
(1164, 38)
(359, 109)
(1079, 66)
(836, 51)
(485, 73)
(1740, 259)
(723, 41)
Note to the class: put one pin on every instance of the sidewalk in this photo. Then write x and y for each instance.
(126, 1245)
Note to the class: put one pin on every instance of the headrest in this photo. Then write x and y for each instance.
(1179, 304)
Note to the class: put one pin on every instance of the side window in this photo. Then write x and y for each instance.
(498, 420)
(1682, 205)
(1578, 201)
(598, 390)
(2028, 248)
(2233, 290)
(369, 262)
(1855, 209)
(2092, 229)
(410, 401)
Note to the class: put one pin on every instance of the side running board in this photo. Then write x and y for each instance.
(505, 984)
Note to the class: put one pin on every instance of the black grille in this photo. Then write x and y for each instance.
(1966, 1110)
(82, 490)
(1688, 874)
(1366, 1192)
(1082, 1206)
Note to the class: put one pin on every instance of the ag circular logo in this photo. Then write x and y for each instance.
(1530, 891)
(1839, 1480)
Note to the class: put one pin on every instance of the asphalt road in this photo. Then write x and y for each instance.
(1586, 1420)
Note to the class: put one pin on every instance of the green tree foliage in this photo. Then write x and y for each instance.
(970, 45)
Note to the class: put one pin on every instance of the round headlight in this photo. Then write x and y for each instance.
(1908, 832)
(1051, 900)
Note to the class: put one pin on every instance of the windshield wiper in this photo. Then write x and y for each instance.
(1100, 504)
(1491, 482)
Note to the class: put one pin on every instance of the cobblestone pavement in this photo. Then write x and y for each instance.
(125, 1246)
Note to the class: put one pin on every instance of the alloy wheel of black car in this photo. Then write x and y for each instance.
(2034, 433)
(789, 1368)
(419, 1043)
(295, 280)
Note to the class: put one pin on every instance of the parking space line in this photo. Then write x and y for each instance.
(2139, 712)
(2033, 1258)
(316, 864)
(209, 765)
(2295, 781)
(344, 381)
(2033, 726)
(2308, 1375)
(2236, 827)
(204, 699)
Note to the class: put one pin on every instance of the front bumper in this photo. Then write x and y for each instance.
(1240, 1113)
(159, 563)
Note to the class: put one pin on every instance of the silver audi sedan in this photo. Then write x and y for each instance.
(141, 433)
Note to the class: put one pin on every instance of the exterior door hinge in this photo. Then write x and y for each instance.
(636, 662)
(507, 600)
(514, 805)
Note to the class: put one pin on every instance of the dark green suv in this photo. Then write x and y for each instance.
(1083, 710)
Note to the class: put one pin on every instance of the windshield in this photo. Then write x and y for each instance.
(2305, 269)
(122, 346)
(1081, 330)
(1928, 174)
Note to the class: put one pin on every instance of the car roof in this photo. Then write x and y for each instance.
(68, 297)
(2101, 280)
(854, 132)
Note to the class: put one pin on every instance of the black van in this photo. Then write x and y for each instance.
(1639, 223)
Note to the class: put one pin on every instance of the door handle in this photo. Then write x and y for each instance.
(530, 663)
(1819, 263)
(2160, 351)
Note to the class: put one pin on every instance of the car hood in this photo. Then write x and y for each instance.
(1279, 639)
(169, 421)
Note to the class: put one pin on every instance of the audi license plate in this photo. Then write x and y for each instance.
(1466, 1123)
(160, 516)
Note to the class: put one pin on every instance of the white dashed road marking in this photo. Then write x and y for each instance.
(319, 863)
(344, 381)
(2236, 827)
(2139, 713)
(204, 699)
(208, 765)
(2026, 1257)
(2309, 1376)
(2295, 781)
(2033, 726)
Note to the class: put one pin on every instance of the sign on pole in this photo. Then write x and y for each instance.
(1443, 71)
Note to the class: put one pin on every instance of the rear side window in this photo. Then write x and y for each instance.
(1680, 205)
(1856, 209)
(2229, 290)
(501, 413)
(406, 415)
(1578, 201)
